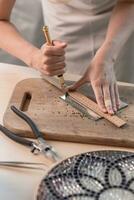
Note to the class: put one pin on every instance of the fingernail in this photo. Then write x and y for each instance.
(104, 110)
(63, 43)
(118, 106)
(71, 89)
(111, 112)
(115, 109)
(65, 90)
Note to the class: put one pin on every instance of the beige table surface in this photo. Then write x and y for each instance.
(22, 184)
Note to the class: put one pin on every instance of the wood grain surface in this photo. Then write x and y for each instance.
(59, 121)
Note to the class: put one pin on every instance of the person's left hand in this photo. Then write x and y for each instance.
(101, 75)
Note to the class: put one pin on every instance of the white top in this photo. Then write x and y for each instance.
(31, 28)
(82, 24)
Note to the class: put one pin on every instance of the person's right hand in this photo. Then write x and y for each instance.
(50, 60)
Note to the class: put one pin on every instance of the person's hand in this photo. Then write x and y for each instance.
(50, 60)
(102, 78)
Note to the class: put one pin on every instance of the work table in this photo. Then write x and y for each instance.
(22, 184)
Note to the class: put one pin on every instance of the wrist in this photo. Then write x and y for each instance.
(31, 54)
(109, 52)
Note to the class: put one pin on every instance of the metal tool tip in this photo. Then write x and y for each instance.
(53, 156)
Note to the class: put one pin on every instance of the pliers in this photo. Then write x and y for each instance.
(41, 146)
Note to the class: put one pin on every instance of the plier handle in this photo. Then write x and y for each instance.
(41, 146)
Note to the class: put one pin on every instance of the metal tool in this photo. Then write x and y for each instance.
(84, 110)
(41, 146)
(23, 165)
(79, 102)
(88, 103)
(50, 43)
(86, 106)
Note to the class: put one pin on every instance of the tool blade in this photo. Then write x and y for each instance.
(52, 155)
(83, 110)
(122, 105)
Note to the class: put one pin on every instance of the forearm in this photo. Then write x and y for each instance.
(120, 28)
(12, 42)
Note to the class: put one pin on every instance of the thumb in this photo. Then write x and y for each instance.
(60, 43)
(78, 84)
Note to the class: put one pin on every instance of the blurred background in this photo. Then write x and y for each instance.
(28, 18)
(27, 15)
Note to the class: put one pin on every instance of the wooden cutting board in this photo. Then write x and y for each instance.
(59, 121)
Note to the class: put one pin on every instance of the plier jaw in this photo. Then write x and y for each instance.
(46, 149)
(35, 149)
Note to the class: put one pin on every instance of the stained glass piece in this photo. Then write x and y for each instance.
(115, 177)
(131, 186)
(116, 194)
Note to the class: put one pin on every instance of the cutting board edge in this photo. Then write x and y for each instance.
(69, 138)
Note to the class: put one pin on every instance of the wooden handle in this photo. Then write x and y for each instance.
(47, 35)
(50, 43)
